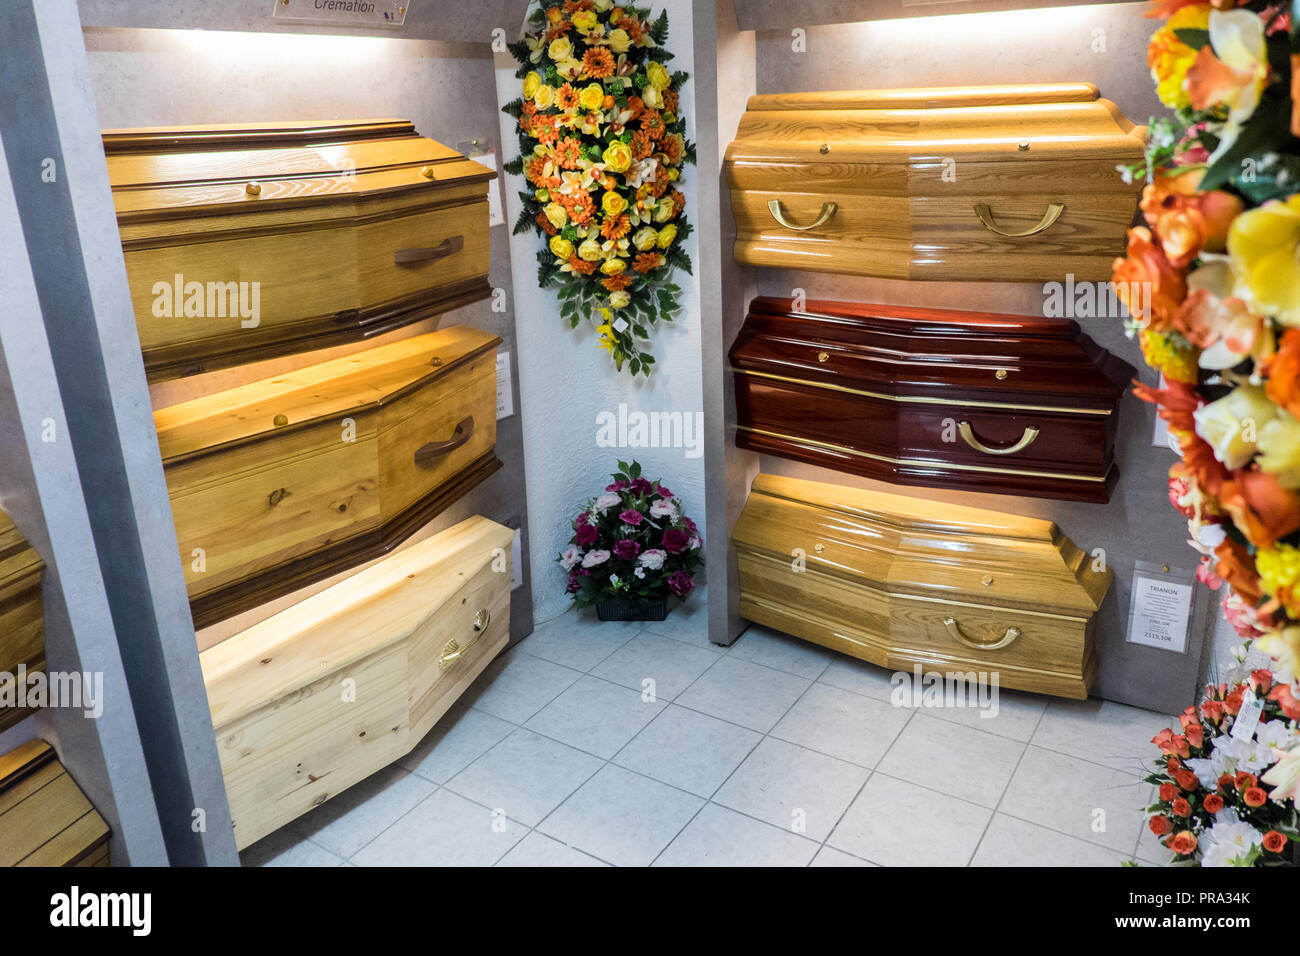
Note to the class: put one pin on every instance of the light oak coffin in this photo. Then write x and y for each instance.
(282, 482)
(22, 613)
(45, 819)
(324, 693)
(996, 403)
(1013, 183)
(899, 582)
(349, 229)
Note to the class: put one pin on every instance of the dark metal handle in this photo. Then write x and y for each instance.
(428, 253)
(435, 449)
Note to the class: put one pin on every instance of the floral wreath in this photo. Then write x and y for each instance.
(602, 144)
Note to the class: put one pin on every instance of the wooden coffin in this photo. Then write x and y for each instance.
(899, 582)
(349, 229)
(1011, 183)
(45, 819)
(998, 403)
(22, 616)
(282, 482)
(323, 694)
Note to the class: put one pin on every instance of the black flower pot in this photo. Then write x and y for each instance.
(622, 609)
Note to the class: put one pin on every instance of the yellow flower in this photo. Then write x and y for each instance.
(531, 82)
(619, 41)
(1279, 446)
(620, 299)
(544, 96)
(1170, 354)
(1279, 570)
(645, 239)
(585, 20)
(658, 76)
(561, 48)
(590, 250)
(606, 333)
(618, 157)
(556, 215)
(666, 236)
(542, 195)
(1170, 58)
(1264, 246)
(664, 210)
(652, 97)
(613, 203)
(591, 97)
(1231, 425)
(561, 247)
(612, 267)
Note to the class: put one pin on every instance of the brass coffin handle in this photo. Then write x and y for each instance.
(954, 631)
(444, 249)
(436, 449)
(1053, 213)
(968, 436)
(453, 650)
(828, 210)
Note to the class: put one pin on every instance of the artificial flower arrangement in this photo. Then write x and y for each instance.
(1228, 799)
(631, 548)
(603, 145)
(1213, 282)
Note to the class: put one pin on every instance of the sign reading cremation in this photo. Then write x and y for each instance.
(387, 13)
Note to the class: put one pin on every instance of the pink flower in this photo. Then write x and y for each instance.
(676, 541)
(626, 549)
(585, 534)
(571, 556)
(652, 558)
(663, 509)
(607, 500)
(593, 558)
(680, 583)
(634, 518)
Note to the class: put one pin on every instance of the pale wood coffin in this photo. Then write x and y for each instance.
(22, 614)
(324, 693)
(997, 403)
(45, 819)
(899, 582)
(349, 229)
(282, 482)
(1013, 183)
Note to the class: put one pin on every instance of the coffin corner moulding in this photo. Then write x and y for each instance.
(880, 582)
(22, 615)
(251, 241)
(986, 183)
(1006, 404)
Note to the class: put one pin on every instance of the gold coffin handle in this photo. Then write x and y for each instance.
(954, 631)
(453, 650)
(436, 449)
(828, 210)
(968, 436)
(1053, 213)
(444, 249)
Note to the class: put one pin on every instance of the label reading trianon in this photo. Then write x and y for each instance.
(382, 13)
(1160, 610)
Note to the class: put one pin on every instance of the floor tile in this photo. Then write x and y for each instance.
(762, 645)
(655, 664)
(744, 693)
(457, 740)
(1102, 731)
(1012, 842)
(356, 816)
(537, 849)
(849, 673)
(895, 823)
(443, 830)
(687, 622)
(515, 686)
(721, 837)
(792, 788)
(829, 856)
(689, 750)
(953, 759)
(842, 724)
(287, 847)
(1016, 716)
(622, 817)
(1078, 798)
(525, 775)
(577, 641)
(596, 716)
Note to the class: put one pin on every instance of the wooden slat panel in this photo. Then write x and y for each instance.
(39, 817)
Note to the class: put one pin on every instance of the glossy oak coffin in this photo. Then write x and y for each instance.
(349, 229)
(22, 616)
(1013, 183)
(996, 403)
(45, 819)
(323, 694)
(899, 582)
(279, 483)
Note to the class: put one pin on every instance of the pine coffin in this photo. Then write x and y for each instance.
(45, 819)
(902, 582)
(996, 403)
(316, 698)
(244, 242)
(1013, 183)
(282, 482)
(22, 615)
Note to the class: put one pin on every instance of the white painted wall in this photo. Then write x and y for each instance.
(566, 380)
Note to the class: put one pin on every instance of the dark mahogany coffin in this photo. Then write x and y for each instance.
(1007, 404)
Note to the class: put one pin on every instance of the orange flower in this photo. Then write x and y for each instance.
(671, 100)
(1187, 221)
(1183, 842)
(1254, 796)
(672, 147)
(1213, 803)
(1205, 319)
(1237, 567)
(581, 267)
(566, 98)
(642, 144)
(1261, 508)
(581, 209)
(616, 227)
(1164, 9)
(1171, 743)
(546, 224)
(1282, 696)
(598, 63)
(568, 153)
(679, 203)
(1274, 841)
(1210, 81)
(615, 283)
(1160, 825)
(1283, 371)
(1163, 286)
(575, 6)
(1181, 808)
(647, 261)
(635, 106)
(652, 121)
(631, 25)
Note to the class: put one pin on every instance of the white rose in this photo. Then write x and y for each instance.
(663, 509)
(652, 558)
(571, 556)
(593, 558)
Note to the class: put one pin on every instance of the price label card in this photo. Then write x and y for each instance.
(505, 395)
(1247, 719)
(1161, 607)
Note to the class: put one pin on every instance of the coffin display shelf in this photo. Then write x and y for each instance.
(280, 483)
(45, 818)
(350, 229)
(982, 184)
(22, 612)
(900, 582)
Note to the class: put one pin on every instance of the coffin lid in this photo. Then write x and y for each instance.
(20, 565)
(317, 393)
(373, 609)
(182, 171)
(977, 123)
(944, 356)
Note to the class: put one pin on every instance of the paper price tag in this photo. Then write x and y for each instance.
(505, 396)
(1247, 719)
(1161, 607)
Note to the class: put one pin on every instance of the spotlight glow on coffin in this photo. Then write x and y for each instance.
(935, 22)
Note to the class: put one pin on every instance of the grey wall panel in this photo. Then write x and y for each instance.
(782, 15)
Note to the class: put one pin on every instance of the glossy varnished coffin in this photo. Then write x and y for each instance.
(350, 229)
(324, 693)
(22, 611)
(997, 403)
(899, 582)
(279, 483)
(45, 819)
(900, 183)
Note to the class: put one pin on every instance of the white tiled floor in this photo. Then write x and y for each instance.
(594, 744)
